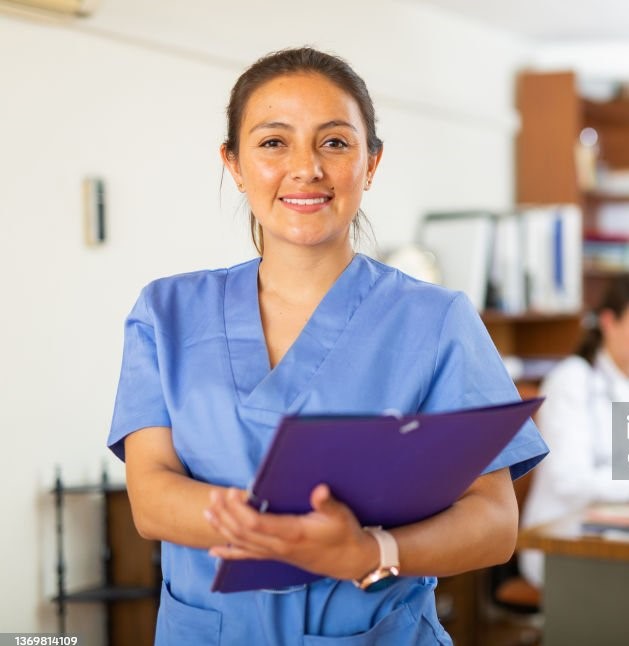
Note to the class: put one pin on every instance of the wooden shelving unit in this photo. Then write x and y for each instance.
(533, 334)
(552, 118)
(130, 568)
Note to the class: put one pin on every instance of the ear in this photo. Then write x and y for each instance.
(232, 165)
(606, 319)
(372, 164)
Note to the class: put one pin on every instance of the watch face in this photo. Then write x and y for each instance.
(381, 584)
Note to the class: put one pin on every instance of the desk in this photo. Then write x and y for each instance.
(586, 584)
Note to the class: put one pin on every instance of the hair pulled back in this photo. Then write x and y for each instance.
(295, 61)
(615, 299)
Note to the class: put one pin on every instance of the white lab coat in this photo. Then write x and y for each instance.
(576, 423)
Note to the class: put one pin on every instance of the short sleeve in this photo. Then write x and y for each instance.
(139, 399)
(469, 372)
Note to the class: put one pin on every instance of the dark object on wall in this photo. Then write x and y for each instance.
(94, 208)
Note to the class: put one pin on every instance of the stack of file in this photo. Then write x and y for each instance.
(606, 517)
(606, 251)
(530, 259)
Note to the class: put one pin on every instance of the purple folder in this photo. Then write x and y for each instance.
(390, 471)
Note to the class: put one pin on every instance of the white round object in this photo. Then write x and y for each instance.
(416, 262)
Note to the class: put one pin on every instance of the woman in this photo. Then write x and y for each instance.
(576, 422)
(213, 359)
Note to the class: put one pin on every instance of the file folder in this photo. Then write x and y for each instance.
(389, 470)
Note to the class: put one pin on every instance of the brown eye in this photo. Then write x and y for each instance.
(335, 143)
(271, 143)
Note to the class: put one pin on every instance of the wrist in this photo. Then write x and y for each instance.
(388, 568)
(369, 556)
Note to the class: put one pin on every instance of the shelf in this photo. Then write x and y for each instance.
(601, 197)
(604, 273)
(92, 488)
(497, 317)
(108, 594)
(615, 112)
(130, 580)
(538, 335)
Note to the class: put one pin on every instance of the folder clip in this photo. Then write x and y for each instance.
(254, 501)
(392, 412)
(411, 426)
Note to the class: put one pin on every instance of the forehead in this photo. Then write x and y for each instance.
(302, 97)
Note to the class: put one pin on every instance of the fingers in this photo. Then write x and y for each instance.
(229, 552)
(229, 513)
(246, 529)
(321, 541)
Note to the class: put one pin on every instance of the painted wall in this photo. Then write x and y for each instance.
(136, 95)
(603, 60)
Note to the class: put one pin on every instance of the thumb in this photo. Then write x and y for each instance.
(322, 500)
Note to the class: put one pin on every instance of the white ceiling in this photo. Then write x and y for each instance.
(549, 19)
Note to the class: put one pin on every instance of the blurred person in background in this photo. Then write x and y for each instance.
(576, 423)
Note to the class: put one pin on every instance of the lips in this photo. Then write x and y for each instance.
(306, 203)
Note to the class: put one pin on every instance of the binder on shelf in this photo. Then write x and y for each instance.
(390, 471)
(507, 267)
(462, 243)
(553, 251)
(529, 259)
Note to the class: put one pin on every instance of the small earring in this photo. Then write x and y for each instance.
(241, 187)
(368, 184)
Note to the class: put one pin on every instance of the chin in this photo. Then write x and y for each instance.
(306, 239)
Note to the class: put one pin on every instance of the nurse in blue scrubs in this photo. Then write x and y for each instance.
(213, 359)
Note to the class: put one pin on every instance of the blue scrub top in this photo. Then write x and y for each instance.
(195, 360)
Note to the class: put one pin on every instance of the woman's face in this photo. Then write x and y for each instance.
(616, 337)
(303, 160)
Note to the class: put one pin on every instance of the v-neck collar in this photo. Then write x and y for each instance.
(259, 386)
(617, 382)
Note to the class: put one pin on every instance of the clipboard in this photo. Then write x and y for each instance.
(389, 470)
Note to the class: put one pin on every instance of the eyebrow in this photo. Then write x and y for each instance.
(335, 123)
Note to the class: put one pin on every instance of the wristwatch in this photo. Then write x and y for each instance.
(389, 568)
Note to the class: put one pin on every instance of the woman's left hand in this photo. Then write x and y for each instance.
(328, 540)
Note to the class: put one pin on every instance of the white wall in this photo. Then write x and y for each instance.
(602, 59)
(136, 95)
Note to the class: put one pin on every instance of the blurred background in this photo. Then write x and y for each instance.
(110, 124)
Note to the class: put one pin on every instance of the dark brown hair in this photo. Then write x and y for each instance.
(615, 299)
(294, 61)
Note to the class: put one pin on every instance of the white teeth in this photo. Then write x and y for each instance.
(306, 202)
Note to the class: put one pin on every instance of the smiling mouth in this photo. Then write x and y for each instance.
(308, 201)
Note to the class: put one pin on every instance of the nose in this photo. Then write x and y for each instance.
(305, 165)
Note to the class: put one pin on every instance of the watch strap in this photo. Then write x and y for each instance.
(388, 569)
(389, 553)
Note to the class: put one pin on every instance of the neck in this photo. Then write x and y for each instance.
(616, 359)
(301, 275)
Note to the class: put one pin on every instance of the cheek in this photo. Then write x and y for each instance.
(351, 177)
(260, 172)
(267, 173)
(357, 170)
